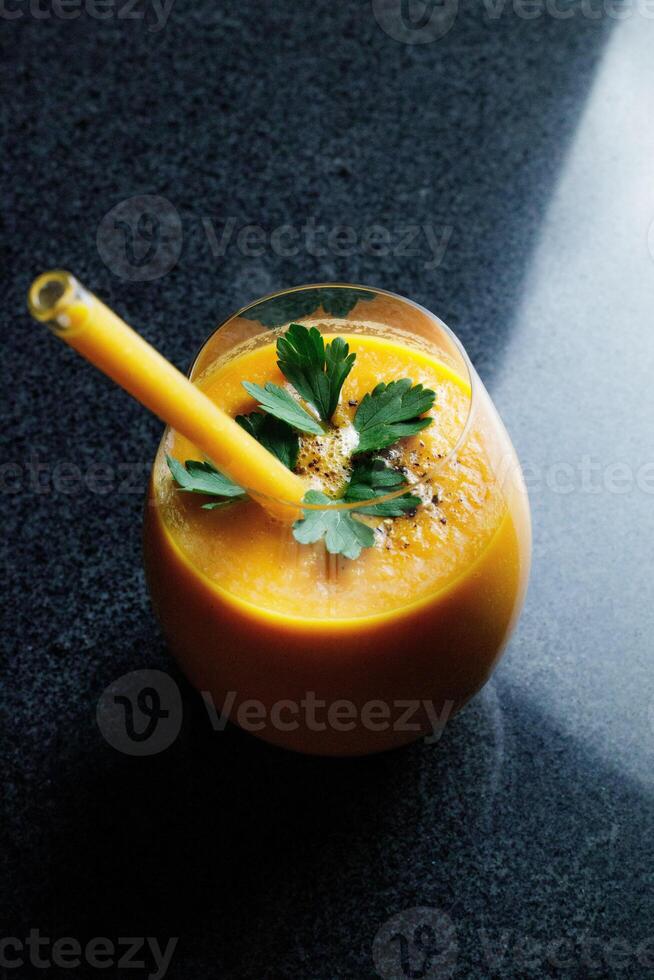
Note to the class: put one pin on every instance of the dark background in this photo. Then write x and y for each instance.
(531, 142)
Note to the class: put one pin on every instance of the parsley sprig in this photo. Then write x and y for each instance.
(198, 477)
(280, 403)
(390, 412)
(317, 372)
(373, 478)
(278, 437)
(342, 532)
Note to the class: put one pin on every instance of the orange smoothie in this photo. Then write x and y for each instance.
(418, 619)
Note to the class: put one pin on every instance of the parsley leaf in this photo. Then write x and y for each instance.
(389, 412)
(343, 533)
(279, 403)
(316, 371)
(198, 477)
(274, 435)
(375, 478)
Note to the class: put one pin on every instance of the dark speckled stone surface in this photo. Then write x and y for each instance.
(528, 144)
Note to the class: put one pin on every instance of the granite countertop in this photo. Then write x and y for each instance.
(516, 153)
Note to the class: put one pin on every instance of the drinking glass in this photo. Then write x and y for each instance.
(317, 652)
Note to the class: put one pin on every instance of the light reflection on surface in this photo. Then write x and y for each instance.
(579, 365)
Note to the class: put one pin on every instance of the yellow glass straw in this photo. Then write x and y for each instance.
(81, 320)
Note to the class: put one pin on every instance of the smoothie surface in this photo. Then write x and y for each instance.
(242, 552)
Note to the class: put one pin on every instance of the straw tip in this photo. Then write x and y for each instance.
(51, 292)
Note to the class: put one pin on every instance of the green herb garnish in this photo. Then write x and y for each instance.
(373, 478)
(390, 412)
(316, 371)
(277, 436)
(198, 477)
(342, 532)
(282, 405)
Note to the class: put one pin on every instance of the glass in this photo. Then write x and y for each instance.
(314, 651)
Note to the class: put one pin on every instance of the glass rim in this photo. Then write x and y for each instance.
(361, 507)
